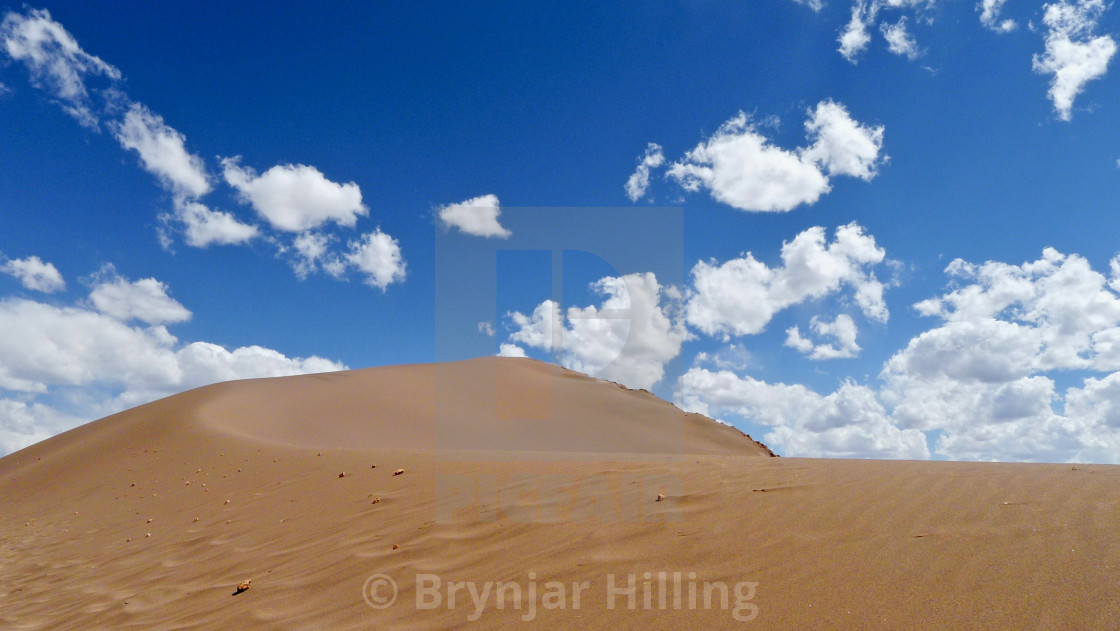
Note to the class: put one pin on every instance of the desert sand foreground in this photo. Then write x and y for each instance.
(507, 493)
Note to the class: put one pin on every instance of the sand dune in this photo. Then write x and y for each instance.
(521, 473)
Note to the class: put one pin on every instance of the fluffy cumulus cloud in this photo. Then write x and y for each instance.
(203, 226)
(628, 338)
(850, 422)
(982, 381)
(163, 152)
(477, 216)
(511, 350)
(990, 16)
(1073, 55)
(840, 145)
(55, 61)
(899, 40)
(842, 329)
(145, 300)
(295, 197)
(741, 168)
(741, 296)
(313, 254)
(983, 377)
(35, 274)
(23, 424)
(62, 365)
(638, 182)
(855, 35)
(378, 257)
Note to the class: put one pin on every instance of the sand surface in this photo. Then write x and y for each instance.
(521, 473)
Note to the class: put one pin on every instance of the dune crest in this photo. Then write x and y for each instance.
(488, 403)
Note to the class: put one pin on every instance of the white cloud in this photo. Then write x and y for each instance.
(23, 424)
(730, 357)
(989, 16)
(628, 339)
(843, 329)
(35, 274)
(203, 362)
(313, 253)
(638, 182)
(848, 423)
(145, 300)
(540, 329)
(980, 382)
(899, 40)
(1058, 304)
(854, 37)
(841, 145)
(69, 364)
(477, 216)
(740, 167)
(205, 227)
(1073, 56)
(511, 350)
(815, 5)
(44, 345)
(740, 296)
(163, 152)
(981, 377)
(295, 197)
(487, 329)
(378, 256)
(55, 61)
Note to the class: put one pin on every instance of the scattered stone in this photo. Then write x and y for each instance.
(376, 500)
(243, 586)
(660, 497)
(395, 546)
(227, 501)
(398, 472)
(342, 475)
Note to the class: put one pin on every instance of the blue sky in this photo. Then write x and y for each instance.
(877, 229)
